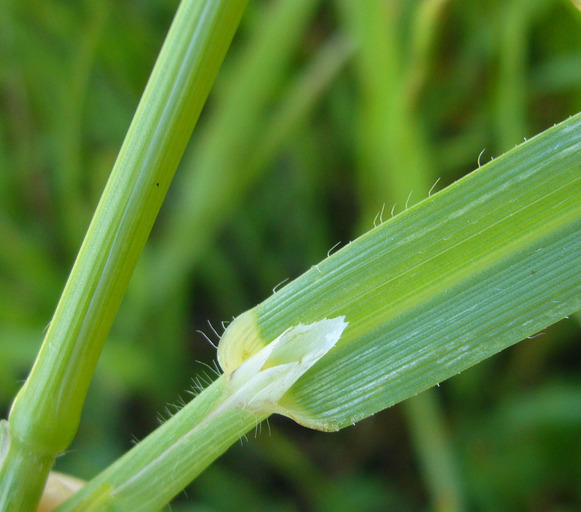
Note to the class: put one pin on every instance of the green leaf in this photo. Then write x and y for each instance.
(492, 259)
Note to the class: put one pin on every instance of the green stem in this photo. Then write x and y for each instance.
(151, 474)
(46, 412)
(158, 468)
(17, 460)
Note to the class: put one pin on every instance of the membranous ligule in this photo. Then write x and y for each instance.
(260, 374)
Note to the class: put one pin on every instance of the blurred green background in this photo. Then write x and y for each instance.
(326, 116)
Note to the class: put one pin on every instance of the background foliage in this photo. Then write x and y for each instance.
(324, 112)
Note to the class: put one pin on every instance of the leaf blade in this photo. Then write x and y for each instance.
(448, 263)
